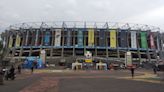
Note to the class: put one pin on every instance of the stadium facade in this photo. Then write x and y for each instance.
(72, 39)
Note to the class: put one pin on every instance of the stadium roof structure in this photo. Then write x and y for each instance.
(83, 24)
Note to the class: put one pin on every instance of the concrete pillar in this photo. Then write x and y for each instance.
(106, 42)
(118, 52)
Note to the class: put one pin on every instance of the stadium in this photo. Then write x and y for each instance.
(67, 41)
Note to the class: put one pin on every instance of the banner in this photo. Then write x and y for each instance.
(47, 38)
(23, 38)
(102, 38)
(10, 41)
(158, 42)
(113, 38)
(80, 37)
(152, 45)
(123, 40)
(40, 37)
(33, 38)
(27, 35)
(69, 31)
(36, 39)
(57, 37)
(143, 40)
(133, 39)
(90, 37)
(18, 39)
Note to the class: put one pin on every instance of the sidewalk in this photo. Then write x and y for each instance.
(147, 77)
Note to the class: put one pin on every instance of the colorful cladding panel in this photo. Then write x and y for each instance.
(36, 39)
(18, 39)
(143, 40)
(27, 36)
(24, 37)
(10, 42)
(57, 37)
(158, 42)
(113, 38)
(90, 37)
(69, 37)
(123, 40)
(102, 38)
(152, 44)
(33, 37)
(47, 38)
(80, 37)
(133, 39)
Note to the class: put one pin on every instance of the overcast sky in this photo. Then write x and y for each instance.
(149, 12)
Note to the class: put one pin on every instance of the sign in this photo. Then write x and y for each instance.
(88, 60)
(43, 56)
(88, 54)
(128, 59)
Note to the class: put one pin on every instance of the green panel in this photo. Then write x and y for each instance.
(143, 40)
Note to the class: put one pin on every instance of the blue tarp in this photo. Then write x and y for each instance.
(29, 62)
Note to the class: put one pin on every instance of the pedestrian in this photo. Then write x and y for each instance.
(32, 69)
(12, 72)
(19, 69)
(132, 71)
(155, 69)
(1, 76)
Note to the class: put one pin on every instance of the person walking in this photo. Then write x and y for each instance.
(19, 69)
(1, 76)
(12, 70)
(32, 69)
(155, 69)
(12, 73)
(132, 71)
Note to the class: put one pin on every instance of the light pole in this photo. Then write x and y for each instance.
(1, 56)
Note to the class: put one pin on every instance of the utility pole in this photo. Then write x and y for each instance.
(1, 56)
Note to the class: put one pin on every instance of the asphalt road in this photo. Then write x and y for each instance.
(107, 85)
(80, 81)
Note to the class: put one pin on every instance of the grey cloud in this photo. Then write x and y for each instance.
(15, 11)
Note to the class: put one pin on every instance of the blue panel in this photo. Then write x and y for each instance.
(80, 37)
(47, 38)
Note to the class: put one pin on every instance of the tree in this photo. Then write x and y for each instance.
(1, 45)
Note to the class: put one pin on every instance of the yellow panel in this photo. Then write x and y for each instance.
(18, 41)
(88, 60)
(90, 37)
(10, 42)
(113, 38)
